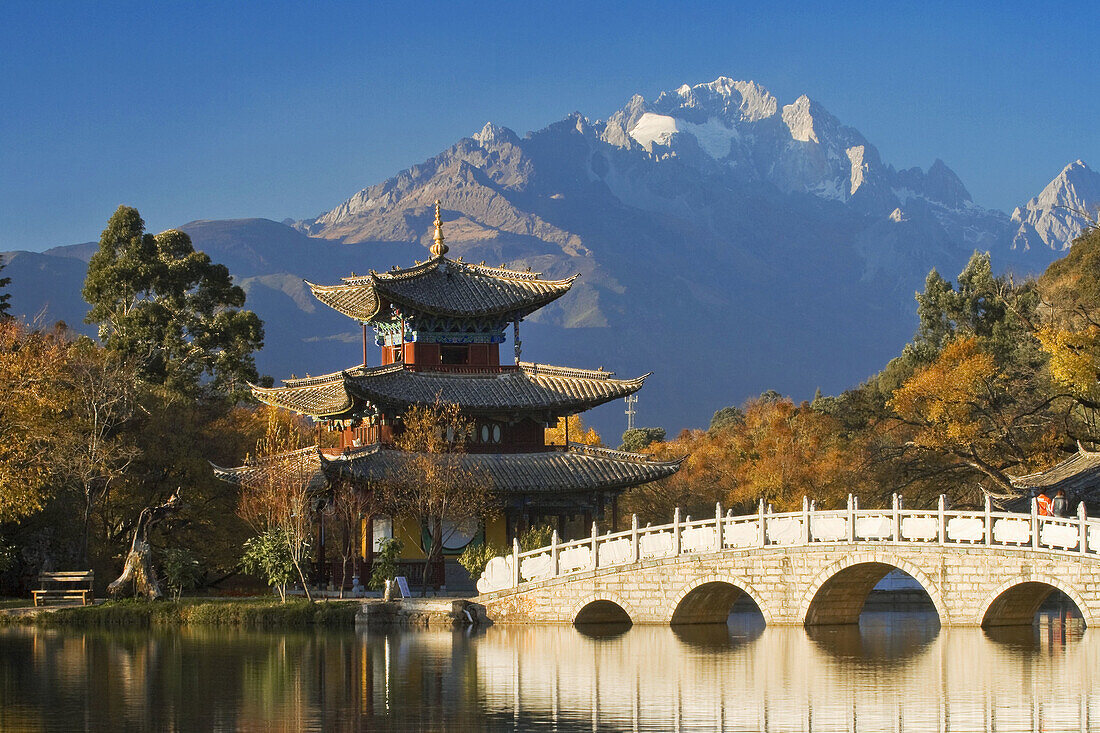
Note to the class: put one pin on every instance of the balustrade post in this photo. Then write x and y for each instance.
(1083, 531)
(635, 552)
(595, 555)
(805, 520)
(895, 530)
(554, 565)
(718, 526)
(763, 538)
(941, 508)
(1035, 522)
(676, 533)
(515, 562)
(851, 520)
(988, 520)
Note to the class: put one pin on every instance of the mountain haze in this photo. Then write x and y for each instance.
(726, 241)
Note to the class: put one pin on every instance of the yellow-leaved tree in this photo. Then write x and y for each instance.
(577, 431)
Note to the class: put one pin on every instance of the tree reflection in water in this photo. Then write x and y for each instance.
(893, 672)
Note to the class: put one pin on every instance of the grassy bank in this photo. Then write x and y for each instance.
(248, 612)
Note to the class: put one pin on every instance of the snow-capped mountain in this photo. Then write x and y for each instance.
(728, 241)
(1057, 215)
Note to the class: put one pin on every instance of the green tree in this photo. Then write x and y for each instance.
(5, 298)
(269, 556)
(170, 310)
(181, 570)
(726, 419)
(636, 439)
(385, 563)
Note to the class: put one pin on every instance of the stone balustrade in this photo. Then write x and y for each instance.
(887, 536)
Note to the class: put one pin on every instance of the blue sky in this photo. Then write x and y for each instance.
(219, 110)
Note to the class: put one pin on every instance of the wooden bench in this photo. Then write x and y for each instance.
(67, 586)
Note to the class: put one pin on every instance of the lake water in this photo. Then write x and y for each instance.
(895, 672)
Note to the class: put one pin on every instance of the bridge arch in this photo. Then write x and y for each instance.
(1015, 602)
(837, 594)
(602, 608)
(709, 598)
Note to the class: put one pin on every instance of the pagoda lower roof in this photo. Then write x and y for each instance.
(442, 287)
(578, 469)
(297, 465)
(526, 388)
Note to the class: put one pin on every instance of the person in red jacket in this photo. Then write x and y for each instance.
(1043, 503)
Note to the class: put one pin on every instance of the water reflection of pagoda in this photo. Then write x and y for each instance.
(440, 324)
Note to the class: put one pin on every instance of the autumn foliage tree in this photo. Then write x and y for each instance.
(574, 428)
(31, 364)
(278, 497)
(777, 452)
(435, 486)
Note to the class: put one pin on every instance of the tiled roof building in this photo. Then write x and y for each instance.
(440, 324)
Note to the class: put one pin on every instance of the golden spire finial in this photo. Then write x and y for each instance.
(438, 249)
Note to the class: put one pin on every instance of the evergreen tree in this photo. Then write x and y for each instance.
(5, 298)
(170, 310)
(636, 439)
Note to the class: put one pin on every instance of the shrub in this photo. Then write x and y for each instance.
(269, 556)
(181, 570)
(385, 563)
(476, 556)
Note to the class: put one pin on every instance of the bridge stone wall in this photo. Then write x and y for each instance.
(813, 584)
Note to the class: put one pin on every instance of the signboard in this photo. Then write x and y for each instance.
(403, 586)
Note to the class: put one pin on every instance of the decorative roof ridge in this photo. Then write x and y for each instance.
(1069, 460)
(251, 463)
(400, 273)
(536, 369)
(509, 274)
(307, 381)
(345, 282)
(350, 454)
(601, 452)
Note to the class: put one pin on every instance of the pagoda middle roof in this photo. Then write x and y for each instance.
(442, 287)
(528, 387)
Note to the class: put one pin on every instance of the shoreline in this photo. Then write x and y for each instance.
(253, 612)
(240, 612)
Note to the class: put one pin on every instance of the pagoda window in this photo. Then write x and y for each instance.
(454, 355)
(484, 433)
(496, 433)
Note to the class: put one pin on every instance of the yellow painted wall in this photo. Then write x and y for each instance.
(496, 531)
(408, 532)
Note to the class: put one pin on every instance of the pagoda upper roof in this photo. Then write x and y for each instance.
(442, 287)
(577, 469)
(527, 387)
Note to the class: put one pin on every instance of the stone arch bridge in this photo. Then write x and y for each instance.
(811, 567)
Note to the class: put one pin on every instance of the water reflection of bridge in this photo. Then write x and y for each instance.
(787, 679)
(810, 567)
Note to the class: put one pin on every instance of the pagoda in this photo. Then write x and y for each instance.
(440, 324)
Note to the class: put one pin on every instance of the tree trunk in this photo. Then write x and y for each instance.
(435, 550)
(138, 570)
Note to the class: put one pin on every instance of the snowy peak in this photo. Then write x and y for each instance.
(1058, 214)
(733, 101)
(495, 134)
(800, 119)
